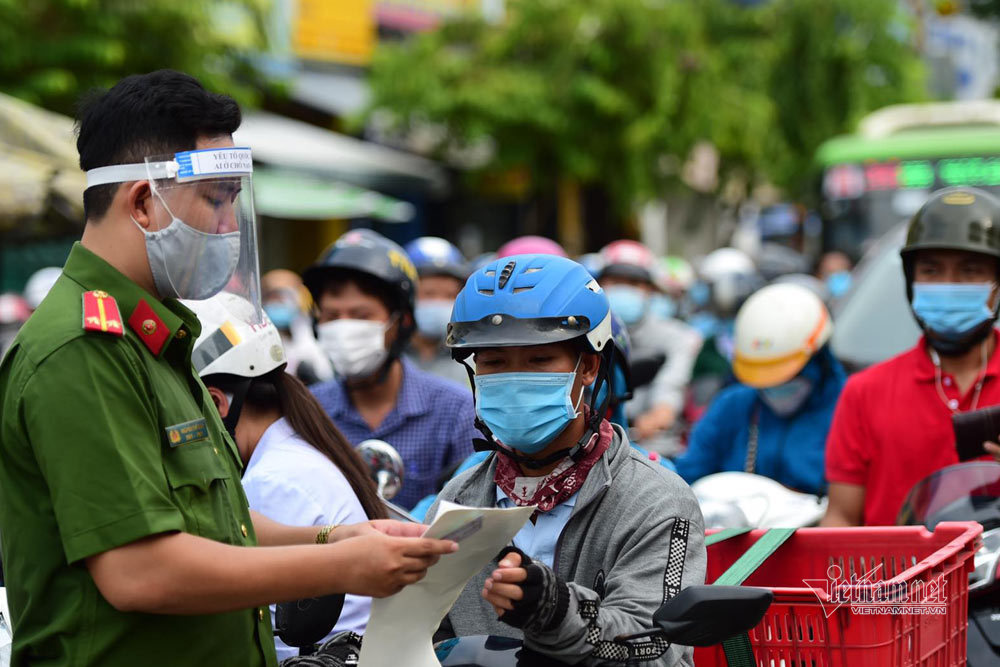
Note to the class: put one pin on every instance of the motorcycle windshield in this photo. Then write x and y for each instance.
(963, 492)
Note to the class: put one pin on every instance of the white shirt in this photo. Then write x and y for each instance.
(539, 539)
(292, 482)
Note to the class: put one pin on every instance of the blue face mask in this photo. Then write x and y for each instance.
(628, 303)
(952, 310)
(432, 316)
(786, 398)
(281, 314)
(663, 306)
(526, 411)
(699, 294)
(838, 283)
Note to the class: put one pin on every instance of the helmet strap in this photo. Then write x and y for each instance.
(240, 390)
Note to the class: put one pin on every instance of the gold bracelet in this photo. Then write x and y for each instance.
(322, 537)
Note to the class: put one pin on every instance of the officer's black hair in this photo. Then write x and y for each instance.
(142, 115)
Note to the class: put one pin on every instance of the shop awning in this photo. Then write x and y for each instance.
(291, 144)
(281, 193)
(38, 164)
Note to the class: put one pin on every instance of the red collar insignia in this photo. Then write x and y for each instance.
(149, 327)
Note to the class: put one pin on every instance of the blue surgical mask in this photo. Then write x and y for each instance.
(526, 411)
(952, 310)
(432, 316)
(838, 283)
(628, 303)
(281, 314)
(785, 399)
(663, 306)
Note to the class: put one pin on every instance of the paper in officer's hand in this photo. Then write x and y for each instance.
(401, 626)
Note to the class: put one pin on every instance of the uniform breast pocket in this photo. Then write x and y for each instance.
(198, 477)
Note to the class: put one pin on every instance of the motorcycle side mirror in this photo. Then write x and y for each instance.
(304, 623)
(709, 615)
(385, 464)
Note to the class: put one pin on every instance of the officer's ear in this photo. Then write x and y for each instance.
(139, 200)
(221, 401)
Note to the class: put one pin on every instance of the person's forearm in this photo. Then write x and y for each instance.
(180, 573)
(271, 533)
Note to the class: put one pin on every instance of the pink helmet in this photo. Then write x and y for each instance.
(530, 245)
(13, 309)
(629, 259)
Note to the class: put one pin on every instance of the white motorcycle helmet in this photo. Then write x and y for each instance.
(228, 344)
(732, 276)
(39, 284)
(232, 348)
(777, 332)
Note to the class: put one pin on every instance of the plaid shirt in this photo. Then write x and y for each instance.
(432, 427)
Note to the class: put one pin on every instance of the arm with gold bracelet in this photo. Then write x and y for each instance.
(271, 533)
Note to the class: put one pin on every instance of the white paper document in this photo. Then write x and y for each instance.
(401, 626)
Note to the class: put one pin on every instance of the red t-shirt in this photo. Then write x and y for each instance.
(891, 428)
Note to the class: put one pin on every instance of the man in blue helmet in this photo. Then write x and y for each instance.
(614, 534)
(442, 269)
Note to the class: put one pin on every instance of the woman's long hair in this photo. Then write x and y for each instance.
(309, 420)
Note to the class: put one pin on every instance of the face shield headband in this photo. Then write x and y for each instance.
(205, 240)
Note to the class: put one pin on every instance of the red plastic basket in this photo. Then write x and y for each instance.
(805, 628)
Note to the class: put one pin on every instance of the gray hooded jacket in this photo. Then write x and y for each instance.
(634, 540)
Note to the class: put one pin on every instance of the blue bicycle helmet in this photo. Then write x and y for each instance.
(434, 256)
(532, 300)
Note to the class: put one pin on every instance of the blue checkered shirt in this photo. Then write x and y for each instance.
(432, 427)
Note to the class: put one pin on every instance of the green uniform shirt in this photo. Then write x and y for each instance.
(108, 436)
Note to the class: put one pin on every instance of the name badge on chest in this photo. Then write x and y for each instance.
(182, 434)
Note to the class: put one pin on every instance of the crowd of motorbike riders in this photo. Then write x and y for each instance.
(595, 388)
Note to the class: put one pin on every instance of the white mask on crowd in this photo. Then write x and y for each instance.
(356, 348)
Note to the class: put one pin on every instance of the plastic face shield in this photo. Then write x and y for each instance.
(203, 235)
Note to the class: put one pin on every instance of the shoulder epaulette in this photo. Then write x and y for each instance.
(100, 313)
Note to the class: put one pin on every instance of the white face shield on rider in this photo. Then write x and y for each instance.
(202, 236)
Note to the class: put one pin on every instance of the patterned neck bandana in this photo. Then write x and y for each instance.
(562, 482)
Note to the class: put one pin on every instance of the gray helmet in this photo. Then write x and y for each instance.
(959, 218)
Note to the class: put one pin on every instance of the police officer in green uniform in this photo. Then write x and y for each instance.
(126, 534)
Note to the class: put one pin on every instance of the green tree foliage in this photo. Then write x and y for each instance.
(834, 62)
(54, 50)
(616, 92)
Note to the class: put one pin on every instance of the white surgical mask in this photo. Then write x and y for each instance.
(189, 264)
(356, 348)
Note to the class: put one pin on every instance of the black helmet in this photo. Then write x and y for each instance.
(958, 218)
(368, 252)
